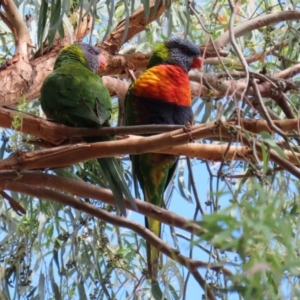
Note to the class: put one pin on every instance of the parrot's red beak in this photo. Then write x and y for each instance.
(102, 63)
(197, 63)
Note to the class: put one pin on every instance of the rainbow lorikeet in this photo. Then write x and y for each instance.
(161, 95)
(74, 95)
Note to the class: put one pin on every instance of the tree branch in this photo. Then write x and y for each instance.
(290, 163)
(270, 50)
(256, 23)
(19, 82)
(64, 156)
(221, 88)
(86, 190)
(191, 264)
(206, 288)
(13, 204)
(137, 23)
(14, 21)
(57, 133)
(289, 72)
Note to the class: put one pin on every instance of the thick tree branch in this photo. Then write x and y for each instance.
(24, 82)
(13, 86)
(119, 64)
(20, 69)
(116, 87)
(67, 155)
(14, 21)
(289, 73)
(137, 23)
(57, 133)
(256, 23)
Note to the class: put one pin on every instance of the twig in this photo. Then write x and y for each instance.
(206, 288)
(280, 99)
(285, 163)
(258, 55)
(197, 245)
(191, 175)
(20, 210)
(238, 176)
(210, 39)
(188, 274)
(264, 110)
(241, 57)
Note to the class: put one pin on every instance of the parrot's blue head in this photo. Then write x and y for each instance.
(86, 54)
(176, 51)
(92, 55)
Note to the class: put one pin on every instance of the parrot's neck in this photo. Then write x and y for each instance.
(154, 61)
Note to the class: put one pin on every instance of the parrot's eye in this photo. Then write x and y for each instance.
(92, 51)
(184, 50)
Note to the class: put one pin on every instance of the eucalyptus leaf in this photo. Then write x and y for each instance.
(54, 285)
(42, 23)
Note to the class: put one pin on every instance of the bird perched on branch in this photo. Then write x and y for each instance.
(75, 96)
(161, 95)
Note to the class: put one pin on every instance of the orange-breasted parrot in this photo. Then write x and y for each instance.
(75, 96)
(161, 95)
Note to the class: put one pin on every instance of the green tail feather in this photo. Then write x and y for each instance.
(118, 186)
(153, 255)
(114, 175)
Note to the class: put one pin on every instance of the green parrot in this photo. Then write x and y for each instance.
(161, 95)
(75, 96)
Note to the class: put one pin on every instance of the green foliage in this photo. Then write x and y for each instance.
(17, 121)
(262, 229)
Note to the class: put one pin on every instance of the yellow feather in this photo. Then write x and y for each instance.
(162, 51)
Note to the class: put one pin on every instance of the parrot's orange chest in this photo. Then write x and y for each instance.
(167, 83)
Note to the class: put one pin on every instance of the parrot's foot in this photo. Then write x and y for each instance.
(188, 129)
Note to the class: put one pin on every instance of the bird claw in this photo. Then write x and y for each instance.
(188, 129)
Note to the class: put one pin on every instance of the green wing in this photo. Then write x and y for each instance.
(75, 96)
